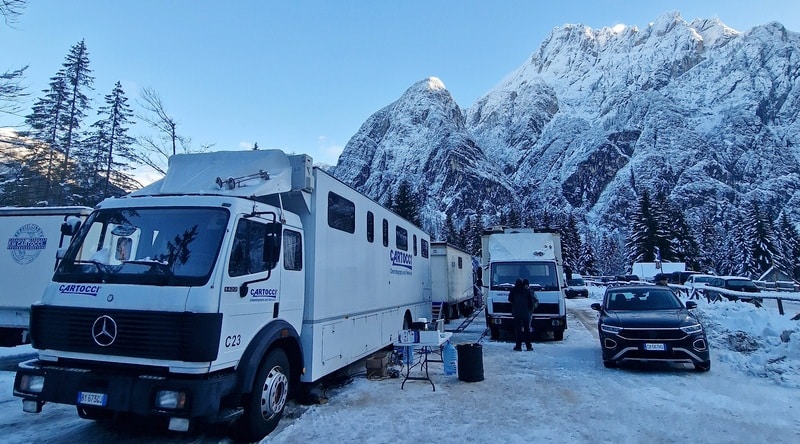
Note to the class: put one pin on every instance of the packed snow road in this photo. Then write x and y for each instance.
(558, 392)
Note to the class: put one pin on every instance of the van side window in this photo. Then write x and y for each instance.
(415, 245)
(424, 248)
(292, 250)
(401, 238)
(385, 233)
(247, 254)
(370, 227)
(341, 213)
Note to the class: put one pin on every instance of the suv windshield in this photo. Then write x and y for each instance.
(150, 246)
(541, 275)
(642, 299)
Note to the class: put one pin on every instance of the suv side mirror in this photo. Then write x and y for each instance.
(691, 304)
(595, 306)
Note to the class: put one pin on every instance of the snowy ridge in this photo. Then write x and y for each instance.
(698, 110)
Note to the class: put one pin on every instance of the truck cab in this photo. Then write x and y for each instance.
(509, 254)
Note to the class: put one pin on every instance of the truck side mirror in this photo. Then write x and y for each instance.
(71, 226)
(272, 245)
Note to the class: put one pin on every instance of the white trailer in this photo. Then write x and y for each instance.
(648, 270)
(511, 253)
(218, 292)
(33, 236)
(452, 282)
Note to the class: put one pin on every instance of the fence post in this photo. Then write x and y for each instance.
(780, 306)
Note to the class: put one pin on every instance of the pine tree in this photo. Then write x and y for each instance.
(56, 119)
(644, 235)
(405, 203)
(77, 77)
(761, 242)
(587, 261)
(789, 240)
(449, 233)
(109, 148)
(571, 245)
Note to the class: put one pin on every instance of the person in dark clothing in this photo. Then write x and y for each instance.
(521, 308)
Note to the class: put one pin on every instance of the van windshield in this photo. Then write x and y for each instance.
(147, 246)
(541, 275)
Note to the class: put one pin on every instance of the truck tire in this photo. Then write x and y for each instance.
(264, 407)
(558, 335)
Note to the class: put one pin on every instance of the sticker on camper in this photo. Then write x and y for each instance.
(402, 260)
(264, 293)
(86, 290)
(27, 243)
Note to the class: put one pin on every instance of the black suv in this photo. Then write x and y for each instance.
(742, 285)
(650, 323)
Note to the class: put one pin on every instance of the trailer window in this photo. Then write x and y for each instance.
(424, 248)
(460, 263)
(370, 227)
(341, 213)
(385, 233)
(292, 250)
(401, 238)
(415, 245)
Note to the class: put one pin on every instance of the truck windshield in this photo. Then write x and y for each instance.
(146, 246)
(541, 275)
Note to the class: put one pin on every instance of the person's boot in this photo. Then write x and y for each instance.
(529, 347)
(518, 348)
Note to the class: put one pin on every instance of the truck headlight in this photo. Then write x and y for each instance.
(31, 383)
(611, 329)
(168, 399)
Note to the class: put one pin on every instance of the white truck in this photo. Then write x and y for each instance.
(451, 281)
(33, 238)
(511, 253)
(648, 270)
(218, 292)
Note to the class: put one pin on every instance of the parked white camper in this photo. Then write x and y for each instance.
(511, 253)
(451, 281)
(250, 272)
(33, 237)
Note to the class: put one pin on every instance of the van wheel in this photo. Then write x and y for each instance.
(264, 408)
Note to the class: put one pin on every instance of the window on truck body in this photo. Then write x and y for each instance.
(341, 213)
(385, 233)
(401, 238)
(292, 250)
(370, 227)
(424, 248)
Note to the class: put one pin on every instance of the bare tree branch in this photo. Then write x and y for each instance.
(11, 10)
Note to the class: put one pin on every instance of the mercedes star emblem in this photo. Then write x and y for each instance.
(104, 331)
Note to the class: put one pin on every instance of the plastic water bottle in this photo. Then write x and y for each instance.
(449, 358)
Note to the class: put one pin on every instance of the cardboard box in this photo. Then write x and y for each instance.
(376, 365)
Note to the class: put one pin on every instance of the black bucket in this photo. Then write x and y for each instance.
(470, 362)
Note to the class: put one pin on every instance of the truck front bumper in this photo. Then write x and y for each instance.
(121, 390)
(538, 324)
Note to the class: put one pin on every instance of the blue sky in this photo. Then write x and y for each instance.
(303, 76)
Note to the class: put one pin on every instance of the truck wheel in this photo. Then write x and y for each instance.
(494, 332)
(558, 335)
(264, 408)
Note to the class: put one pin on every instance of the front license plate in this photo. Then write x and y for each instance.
(89, 398)
(655, 347)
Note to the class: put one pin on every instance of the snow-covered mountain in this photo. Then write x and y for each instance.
(705, 113)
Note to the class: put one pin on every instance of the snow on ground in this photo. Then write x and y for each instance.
(559, 392)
